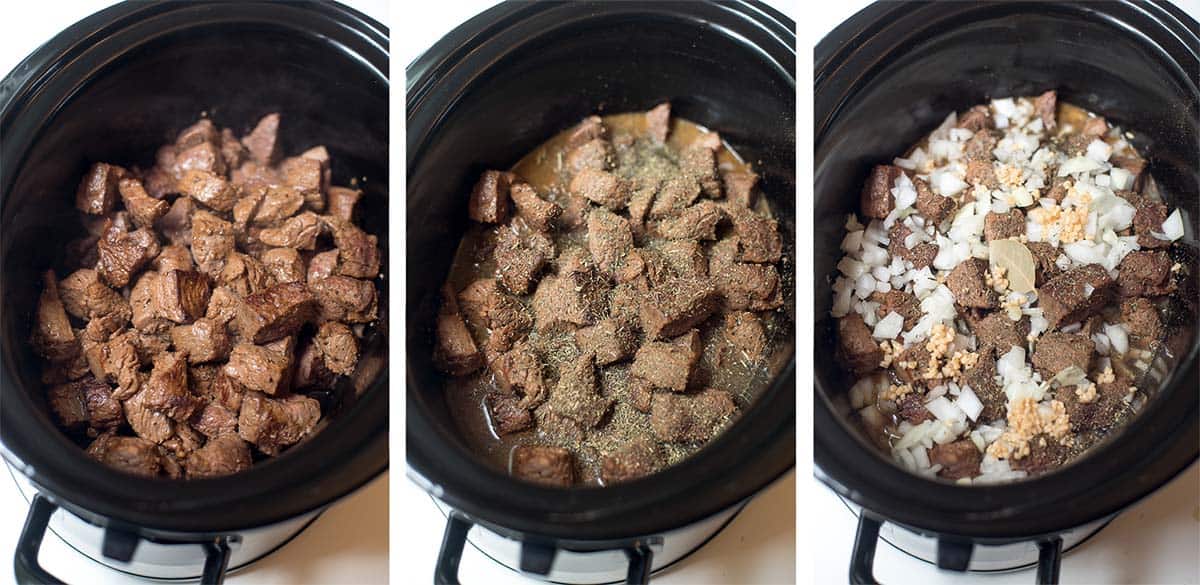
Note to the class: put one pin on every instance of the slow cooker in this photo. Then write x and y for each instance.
(889, 75)
(113, 87)
(488, 92)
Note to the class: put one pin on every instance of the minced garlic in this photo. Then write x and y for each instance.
(1025, 421)
(961, 359)
(1086, 394)
(891, 350)
(1009, 175)
(1107, 376)
(896, 392)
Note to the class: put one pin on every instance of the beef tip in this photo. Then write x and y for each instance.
(590, 128)
(507, 414)
(176, 223)
(969, 285)
(576, 396)
(339, 346)
(609, 239)
(1147, 220)
(520, 369)
(981, 145)
(876, 199)
(611, 340)
(1058, 188)
(912, 408)
(678, 306)
(272, 424)
(84, 296)
(1046, 106)
(1056, 351)
(232, 151)
(632, 460)
(981, 172)
(680, 259)
(173, 257)
(342, 298)
(143, 308)
(489, 197)
(144, 209)
(519, 260)
(982, 380)
(277, 312)
(262, 142)
(1145, 273)
(899, 302)
(358, 251)
(244, 274)
(215, 420)
(1095, 127)
(700, 163)
(159, 182)
(1099, 412)
(658, 122)
(284, 265)
(1000, 226)
(212, 241)
(641, 394)
(698, 222)
(682, 418)
(263, 368)
(552, 466)
(856, 346)
(540, 214)
(312, 373)
(1045, 454)
(603, 188)
(675, 195)
(298, 232)
(740, 188)
(202, 156)
(123, 254)
(97, 192)
(997, 331)
(307, 176)
(485, 304)
(52, 336)
(455, 353)
(1141, 319)
(203, 341)
(181, 296)
(1045, 255)
(86, 401)
(596, 154)
(278, 203)
(911, 364)
(573, 299)
(757, 237)
(1076, 294)
(958, 459)
(167, 389)
(668, 365)
(128, 454)
(224, 455)
(934, 207)
(321, 265)
(975, 119)
(748, 287)
(117, 360)
(148, 423)
(209, 189)
(921, 255)
(342, 201)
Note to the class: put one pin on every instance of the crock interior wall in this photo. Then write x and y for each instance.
(605, 65)
(132, 105)
(989, 53)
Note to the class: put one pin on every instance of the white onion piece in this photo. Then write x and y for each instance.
(969, 403)
(1118, 337)
(888, 327)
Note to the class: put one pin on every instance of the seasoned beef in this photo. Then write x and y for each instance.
(602, 187)
(1046, 453)
(212, 241)
(358, 251)
(912, 408)
(975, 119)
(611, 340)
(129, 454)
(262, 142)
(1046, 256)
(570, 300)
(173, 257)
(1056, 351)
(540, 214)
(98, 191)
(278, 203)
(856, 346)
(506, 318)
(958, 459)
(85, 402)
(1001, 333)
(312, 373)
(668, 364)
(284, 265)
(968, 283)
(1141, 319)
(214, 420)
(144, 209)
(489, 197)
(1000, 226)
(261, 368)
(690, 418)
(306, 175)
(271, 424)
(520, 259)
(243, 274)
(552, 466)
(209, 189)
(982, 380)
(339, 347)
(176, 223)
(745, 337)
(341, 202)
(698, 222)
(455, 353)
(507, 414)
(700, 163)
(748, 287)
(123, 254)
(609, 239)
(934, 207)
(224, 455)
(321, 265)
(740, 189)
(576, 396)
(658, 122)
(1075, 295)
(876, 200)
(596, 154)
(278, 311)
(84, 296)
(298, 232)
(677, 306)
(1148, 220)
(166, 390)
(203, 341)
(1145, 273)
(342, 298)
(520, 369)
(981, 172)
(181, 296)
(675, 195)
(590, 128)
(52, 336)
(634, 459)
(899, 302)
(921, 255)
(1045, 106)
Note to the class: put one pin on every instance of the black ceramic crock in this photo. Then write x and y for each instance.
(489, 92)
(888, 76)
(114, 87)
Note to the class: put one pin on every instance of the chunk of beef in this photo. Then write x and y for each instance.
(899, 302)
(205, 340)
(921, 255)
(215, 420)
(1045, 106)
(181, 296)
(1000, 226)
(128, 454)
(224, 455)
(678, 306)
(596, 154)
(1145, 273)
(272, 424)
(1075, 295)
(640, 394)
(745, 338)
(748, 287)
(507, 414)
(342, 298)
(358, 251)
(176, 224)
(309, 177)
(284, 265)
(122, 254)
(148, 423)
(520, 369)
(981, 145)
(200, 132)
(173, 257)
(298, 232)
(700, 164)
(1058, 188)
(679, 259)
(602, 187)
(1056, 351)
(975, 119)
(167, 389)
(144, 309)
(573, 299)
(590, 128)
(263, 141)
(609, 239)
(97, 192)
(339, 347)
(1045, 454)
(85, 402)
(209, 189)
(698, 222)
(611, 340)
(144, 209)
(1046, 256)
(998, 331)
(740, 188)
(1099, 412)
(658, 122)
(982, 380)
(911, 366)
(912, 408)
(668, 364)
(958, 459)
(322, 265)
(261, 368)
(632, 460)
(981, 172)
(455, 353)
(212, 241)
(694, 418)
(576, 395)
(1141, 319)
(856, 346)
(232, 151)
(1148, 220)
(876, 199)
(312, 373)
(540, 214)
(932, 206)
(278, 203)
(519, 260)
(968, 283)
(342, 201)
(278, 311)
(244, 274)
(506, 318)
(86, 297)
(674, 195)
(117, 360)
(489, 197)
(52, 336)
(552, 466)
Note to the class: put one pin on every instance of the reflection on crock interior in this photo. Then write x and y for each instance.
(1004, 289)
(614, 304)
(212, 312)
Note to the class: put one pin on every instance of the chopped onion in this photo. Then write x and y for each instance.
(1118, 337)
(944, 410)
(852, 242)
(888, 327)
(1172, 227)
(1099, 150)
(1079, 164)
(969, 403)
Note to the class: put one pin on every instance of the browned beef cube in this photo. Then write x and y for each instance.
(976, 118)
(609, 239)
(507, 414)
(342, 201)
(573, 299)
(669, 364)
(1056, 351)
(278, 311)
(97, 192)
(85, 401)
(552, 466)
(981, 145)
(128, 454)
(698, 222)
(1147, 220)
(899, 302)
(1046, 107)
(342, 298)
(748, 287)
(603, 188)
(244, 274)
(911, 364)
(272, 424)
(284, 265)
(590, 128)
(358, 251)
(455, 353)
(209, 189)
(540, 214)
(1045, 255)
(262, 142)
(576, 396)
(173, 257)
(674, 195)
(934, 207)
(611, 340)
(118, 360)
(249, 199)
(181, 296)
(263, 368)
(232, 151)
(215, 420)
(300, 232)
(311, 371)
(1145, 273)
(123, 254)
(857, 347)
(212, 241)
(489, 197)
(322, 265)
(1075, 295)
(968, 283)
(200, 132)
(307, 176)
(52, 336)
(745, 338)
(695, 418)
(144, 309)
(223, 455)
(1045, 454)
(176, 224)
(658, 122)
(1058, 188)
(278, 203)
(519, 260)
(700, 163)
(167, 389)
(507, 318)
(982, 380)
(596, 154)
(981, 172)
(1100, 412)
(520, 369)
(641, 393)
(757, 237)
(339, 346)
(876, 199)
(1001, 333)
(203, 341)
(1000, 226)
(958, 459)
(634, 459)
(144, 209)
(682, 259)
(159, 182)
(921, 255)
(86, 297)
(678, 306)
(740, 188)
(1141, 319)
(204, 156)
(912, 408)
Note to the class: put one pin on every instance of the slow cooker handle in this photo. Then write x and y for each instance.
(534, 559)
(30, 572)
(952, 554)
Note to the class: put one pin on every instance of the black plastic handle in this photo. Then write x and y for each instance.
(30, 572)
(952, 554)
(535, 558)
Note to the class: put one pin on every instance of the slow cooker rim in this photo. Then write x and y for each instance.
(913, 501)
(102, 498)
(424, 464)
